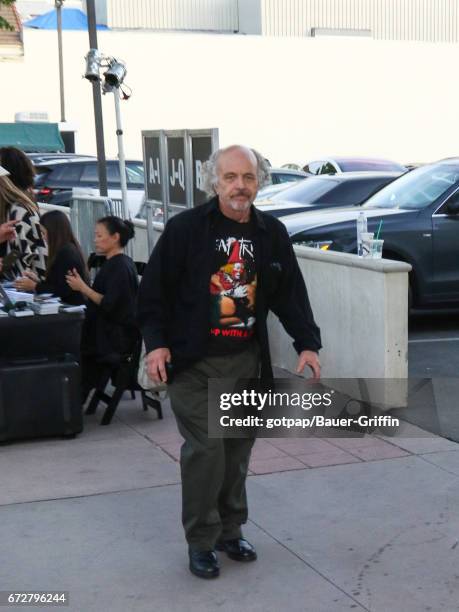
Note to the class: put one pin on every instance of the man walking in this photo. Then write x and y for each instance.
(213, 276)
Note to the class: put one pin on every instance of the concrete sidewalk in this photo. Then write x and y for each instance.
(339, 524)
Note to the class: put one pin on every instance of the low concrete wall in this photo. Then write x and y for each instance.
(361, 307)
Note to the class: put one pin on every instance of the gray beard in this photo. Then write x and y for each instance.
(240, 207)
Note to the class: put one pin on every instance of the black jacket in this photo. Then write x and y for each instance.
(174, 295)
(110, 327)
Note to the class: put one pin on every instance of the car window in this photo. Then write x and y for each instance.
(349, 193)
(41, 173)
(313, 167)
(287, 178)
(327, 168)
(416, 189)
(67, 173)
(90, 173)
(306, 192)
(113, 172)
(135, 173)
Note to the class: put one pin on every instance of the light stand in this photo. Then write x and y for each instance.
(58, 4)
(114, 77)
(97, 101)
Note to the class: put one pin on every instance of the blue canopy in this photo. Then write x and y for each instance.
(72, 19)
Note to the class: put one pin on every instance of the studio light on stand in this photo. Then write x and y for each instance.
(113, 80)
(93, 59)
(114, 76)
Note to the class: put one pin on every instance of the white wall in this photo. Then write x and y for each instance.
(212, 15)
(293, 99)
(427, 20)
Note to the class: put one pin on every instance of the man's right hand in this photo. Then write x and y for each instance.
(7, 231)
(156, 364)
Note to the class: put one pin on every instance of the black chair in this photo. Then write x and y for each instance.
(121, 370)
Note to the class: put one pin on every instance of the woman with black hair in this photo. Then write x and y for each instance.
(21, 169)
(110, 330)
(64, 255)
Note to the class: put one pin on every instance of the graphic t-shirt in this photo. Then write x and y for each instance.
(233, 286)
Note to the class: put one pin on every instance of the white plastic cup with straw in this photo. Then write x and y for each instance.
(376, 244)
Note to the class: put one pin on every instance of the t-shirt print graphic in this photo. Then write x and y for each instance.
(233, 290)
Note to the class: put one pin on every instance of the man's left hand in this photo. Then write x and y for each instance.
(311, 359)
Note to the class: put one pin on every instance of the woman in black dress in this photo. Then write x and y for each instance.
(64, 255)
(110, 330)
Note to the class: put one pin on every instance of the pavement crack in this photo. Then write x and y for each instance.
(85, 495)
(315, 570)
(440, 467)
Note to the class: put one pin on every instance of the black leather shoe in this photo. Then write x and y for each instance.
(204, 563)
(238, 549)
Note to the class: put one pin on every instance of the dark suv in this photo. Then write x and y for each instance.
(57, 177)
(417, 216)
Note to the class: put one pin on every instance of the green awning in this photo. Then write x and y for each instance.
(31, 136)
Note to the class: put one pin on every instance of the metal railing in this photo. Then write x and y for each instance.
(154, 227)
(84, 212)
(119, 209)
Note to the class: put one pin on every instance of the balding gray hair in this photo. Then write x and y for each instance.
(209, 176)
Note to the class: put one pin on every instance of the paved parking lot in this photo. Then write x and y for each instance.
(433, 352)
(434, 345)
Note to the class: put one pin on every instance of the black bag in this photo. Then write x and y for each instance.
(40, 399)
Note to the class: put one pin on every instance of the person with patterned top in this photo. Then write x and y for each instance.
(27, 241)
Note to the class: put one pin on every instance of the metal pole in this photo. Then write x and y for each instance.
(97, 97)
(121, 156)
(58, 4)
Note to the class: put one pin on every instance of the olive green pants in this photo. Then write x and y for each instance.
(214, 471)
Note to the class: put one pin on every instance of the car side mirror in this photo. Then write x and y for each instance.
(452, 206)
